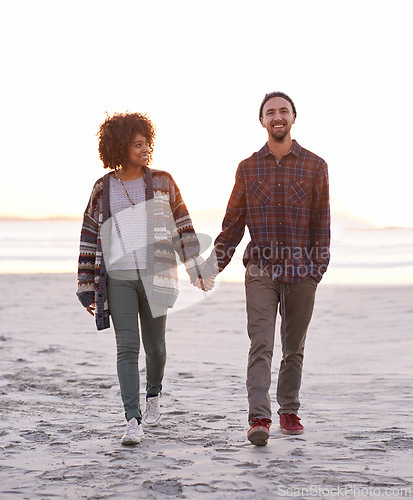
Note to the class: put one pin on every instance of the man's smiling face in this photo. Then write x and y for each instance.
(278, 118)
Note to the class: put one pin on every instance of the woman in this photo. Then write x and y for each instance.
(134, 223)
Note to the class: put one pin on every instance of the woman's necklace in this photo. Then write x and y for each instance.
(126, 191)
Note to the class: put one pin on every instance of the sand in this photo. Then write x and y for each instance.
(61, 413)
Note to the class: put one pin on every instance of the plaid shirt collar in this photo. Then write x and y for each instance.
(265, 150)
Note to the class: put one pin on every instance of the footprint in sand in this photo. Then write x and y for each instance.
(36, 436)
(223, 459)
(400, 442)
(213, 418)
(49, 350)
(169, 487)
(247, 465)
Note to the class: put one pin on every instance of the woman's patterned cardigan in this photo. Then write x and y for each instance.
(169, 230)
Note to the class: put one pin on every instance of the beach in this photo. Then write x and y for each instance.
(62, 418)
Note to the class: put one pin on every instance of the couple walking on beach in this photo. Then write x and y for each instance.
(136, 222)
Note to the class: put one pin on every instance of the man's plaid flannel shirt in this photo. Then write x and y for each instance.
(285, 205)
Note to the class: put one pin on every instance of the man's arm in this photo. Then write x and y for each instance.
(320, 224)
(233, 226)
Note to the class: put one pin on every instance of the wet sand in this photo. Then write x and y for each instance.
(61, 413)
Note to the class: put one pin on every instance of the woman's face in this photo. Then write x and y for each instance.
(138, 151)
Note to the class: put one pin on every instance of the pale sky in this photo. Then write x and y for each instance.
(200, 71)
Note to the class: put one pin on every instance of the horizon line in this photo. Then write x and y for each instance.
(373, 227)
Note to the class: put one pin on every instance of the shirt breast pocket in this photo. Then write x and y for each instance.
(299, 192)
(260, 190)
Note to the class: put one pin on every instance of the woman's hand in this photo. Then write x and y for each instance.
(205, 285)
(91, 309)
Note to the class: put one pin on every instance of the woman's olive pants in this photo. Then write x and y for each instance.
(127, 304)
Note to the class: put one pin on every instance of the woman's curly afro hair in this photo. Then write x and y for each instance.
(116, 135)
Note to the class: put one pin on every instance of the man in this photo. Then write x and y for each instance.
(281, 194)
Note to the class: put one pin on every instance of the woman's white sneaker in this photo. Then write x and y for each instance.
(152, 413)
(133, 432)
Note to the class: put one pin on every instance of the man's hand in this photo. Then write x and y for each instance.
(90, 309)
(205, 285)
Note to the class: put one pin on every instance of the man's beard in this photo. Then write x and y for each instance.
(276, 135)
(279, 138)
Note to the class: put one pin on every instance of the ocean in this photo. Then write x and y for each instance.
(358, 254)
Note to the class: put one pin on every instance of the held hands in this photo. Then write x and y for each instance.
(205, 284)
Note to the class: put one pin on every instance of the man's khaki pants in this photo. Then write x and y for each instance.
(263, 296)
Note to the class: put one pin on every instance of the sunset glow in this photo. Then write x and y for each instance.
(201, 76)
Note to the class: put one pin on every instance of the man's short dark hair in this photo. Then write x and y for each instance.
(277, 94)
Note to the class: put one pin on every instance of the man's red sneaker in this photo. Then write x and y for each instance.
(290, 423)
(259, 432)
